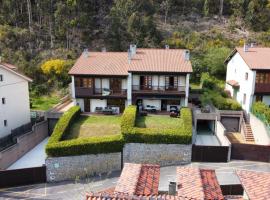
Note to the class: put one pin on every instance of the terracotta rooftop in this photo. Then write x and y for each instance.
(145, 60)
(233, 83)
(257, 58)
(255, 184)
(138, 179)
(200, 184)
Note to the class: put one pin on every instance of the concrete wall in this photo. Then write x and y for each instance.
(236, 70)
(259, 130)
(266, 99)
(220, 133)
(73, 167)
(16, 110)
(97, 103)
(24, 144)
(162, 154)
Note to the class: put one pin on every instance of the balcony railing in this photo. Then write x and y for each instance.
(159, 89)
(88, 92)
(262, 88)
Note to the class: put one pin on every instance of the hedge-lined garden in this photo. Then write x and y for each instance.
(57, 146)
(262, 111)
(133, 134)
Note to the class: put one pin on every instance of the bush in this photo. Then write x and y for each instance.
(58, 147)
(262, 111)
(134, 134)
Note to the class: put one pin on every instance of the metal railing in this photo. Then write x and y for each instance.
(107, 91)
(158, 88)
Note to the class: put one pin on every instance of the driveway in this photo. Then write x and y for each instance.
(76, 189)
(34, 158)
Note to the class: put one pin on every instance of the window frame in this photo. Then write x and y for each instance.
(1, 78)
(3, 100)
(5, 123)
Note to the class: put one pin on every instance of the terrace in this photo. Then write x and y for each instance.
(157, 121)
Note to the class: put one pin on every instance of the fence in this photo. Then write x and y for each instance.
(16, 177)
(251, 152)
(210, 153)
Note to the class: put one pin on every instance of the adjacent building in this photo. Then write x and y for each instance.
(248, 75)
(147, 77)
(14, 99)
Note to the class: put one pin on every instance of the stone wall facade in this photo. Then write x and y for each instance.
(74, 167)
(162, 154)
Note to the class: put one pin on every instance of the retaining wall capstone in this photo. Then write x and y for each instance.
(162, 154)
(74, 167)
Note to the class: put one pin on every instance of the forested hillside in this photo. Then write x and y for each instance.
(44, 37)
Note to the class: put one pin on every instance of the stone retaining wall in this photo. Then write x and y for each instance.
(162, 154)
(73, 167)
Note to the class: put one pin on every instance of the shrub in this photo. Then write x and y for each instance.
(134, 134)
(262, 111)
(58, 147)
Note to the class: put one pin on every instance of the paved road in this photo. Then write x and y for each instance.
(77, 189)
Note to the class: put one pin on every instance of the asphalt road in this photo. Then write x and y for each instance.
(76, 189)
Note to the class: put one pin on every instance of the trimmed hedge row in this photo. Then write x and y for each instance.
(58, 147)
(134, 134)
(262, 111)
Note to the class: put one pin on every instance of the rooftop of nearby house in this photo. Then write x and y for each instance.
(14, 70)
(255, 184)
(138, 179)
(144, 60)
(194, 183)
(257, 58)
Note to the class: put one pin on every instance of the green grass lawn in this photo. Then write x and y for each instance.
(94, 126)
(44, 102)
(157, 121)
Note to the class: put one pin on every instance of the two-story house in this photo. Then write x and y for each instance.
(14, 99)
(156, 77)
(248, 75)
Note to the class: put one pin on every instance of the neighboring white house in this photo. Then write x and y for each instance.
(155, 77)
(14, 99)
(248, 75)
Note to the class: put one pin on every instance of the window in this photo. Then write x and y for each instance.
(5, 122)
(246, 76)
(244, 99)
(3, 100)
(1, 77)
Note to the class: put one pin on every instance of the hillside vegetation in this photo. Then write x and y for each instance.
(44, 37)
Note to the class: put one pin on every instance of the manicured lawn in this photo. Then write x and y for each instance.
(44, 102)
(94, 126)
(157, 121)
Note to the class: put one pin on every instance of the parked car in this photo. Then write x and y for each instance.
(150, 108)
(174, 109)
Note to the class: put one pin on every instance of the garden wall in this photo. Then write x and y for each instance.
(162, 154)
(73, 167)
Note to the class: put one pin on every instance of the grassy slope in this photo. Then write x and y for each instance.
(44, 102)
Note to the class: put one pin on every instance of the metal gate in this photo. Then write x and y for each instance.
(210, 153)
(25, 176)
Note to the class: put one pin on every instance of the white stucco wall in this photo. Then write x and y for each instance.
(80, 102)
(156, 103)
(97, 103)
(236, 70)
(16, 110)
(259, 131)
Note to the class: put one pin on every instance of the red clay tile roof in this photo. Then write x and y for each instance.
(233, 83)
(145, 60)
(255, 184)
(138, 179)
(257, 58)
(13, 69)
(198, 184)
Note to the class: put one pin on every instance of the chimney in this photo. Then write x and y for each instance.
(167, 46)
(133, 49)
(186, 55)
(245, 47)
(172, 188)
(86, 53)
(104, 49)
(129, 56)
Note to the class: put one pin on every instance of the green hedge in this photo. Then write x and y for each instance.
(134, 134)
(58, 147)
(262, 111)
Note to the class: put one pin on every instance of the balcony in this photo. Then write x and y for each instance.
(263, 88)
(158, 89)
(81, 92)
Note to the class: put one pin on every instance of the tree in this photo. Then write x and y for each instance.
(206, 8)
(221, 4)
(165, 6)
